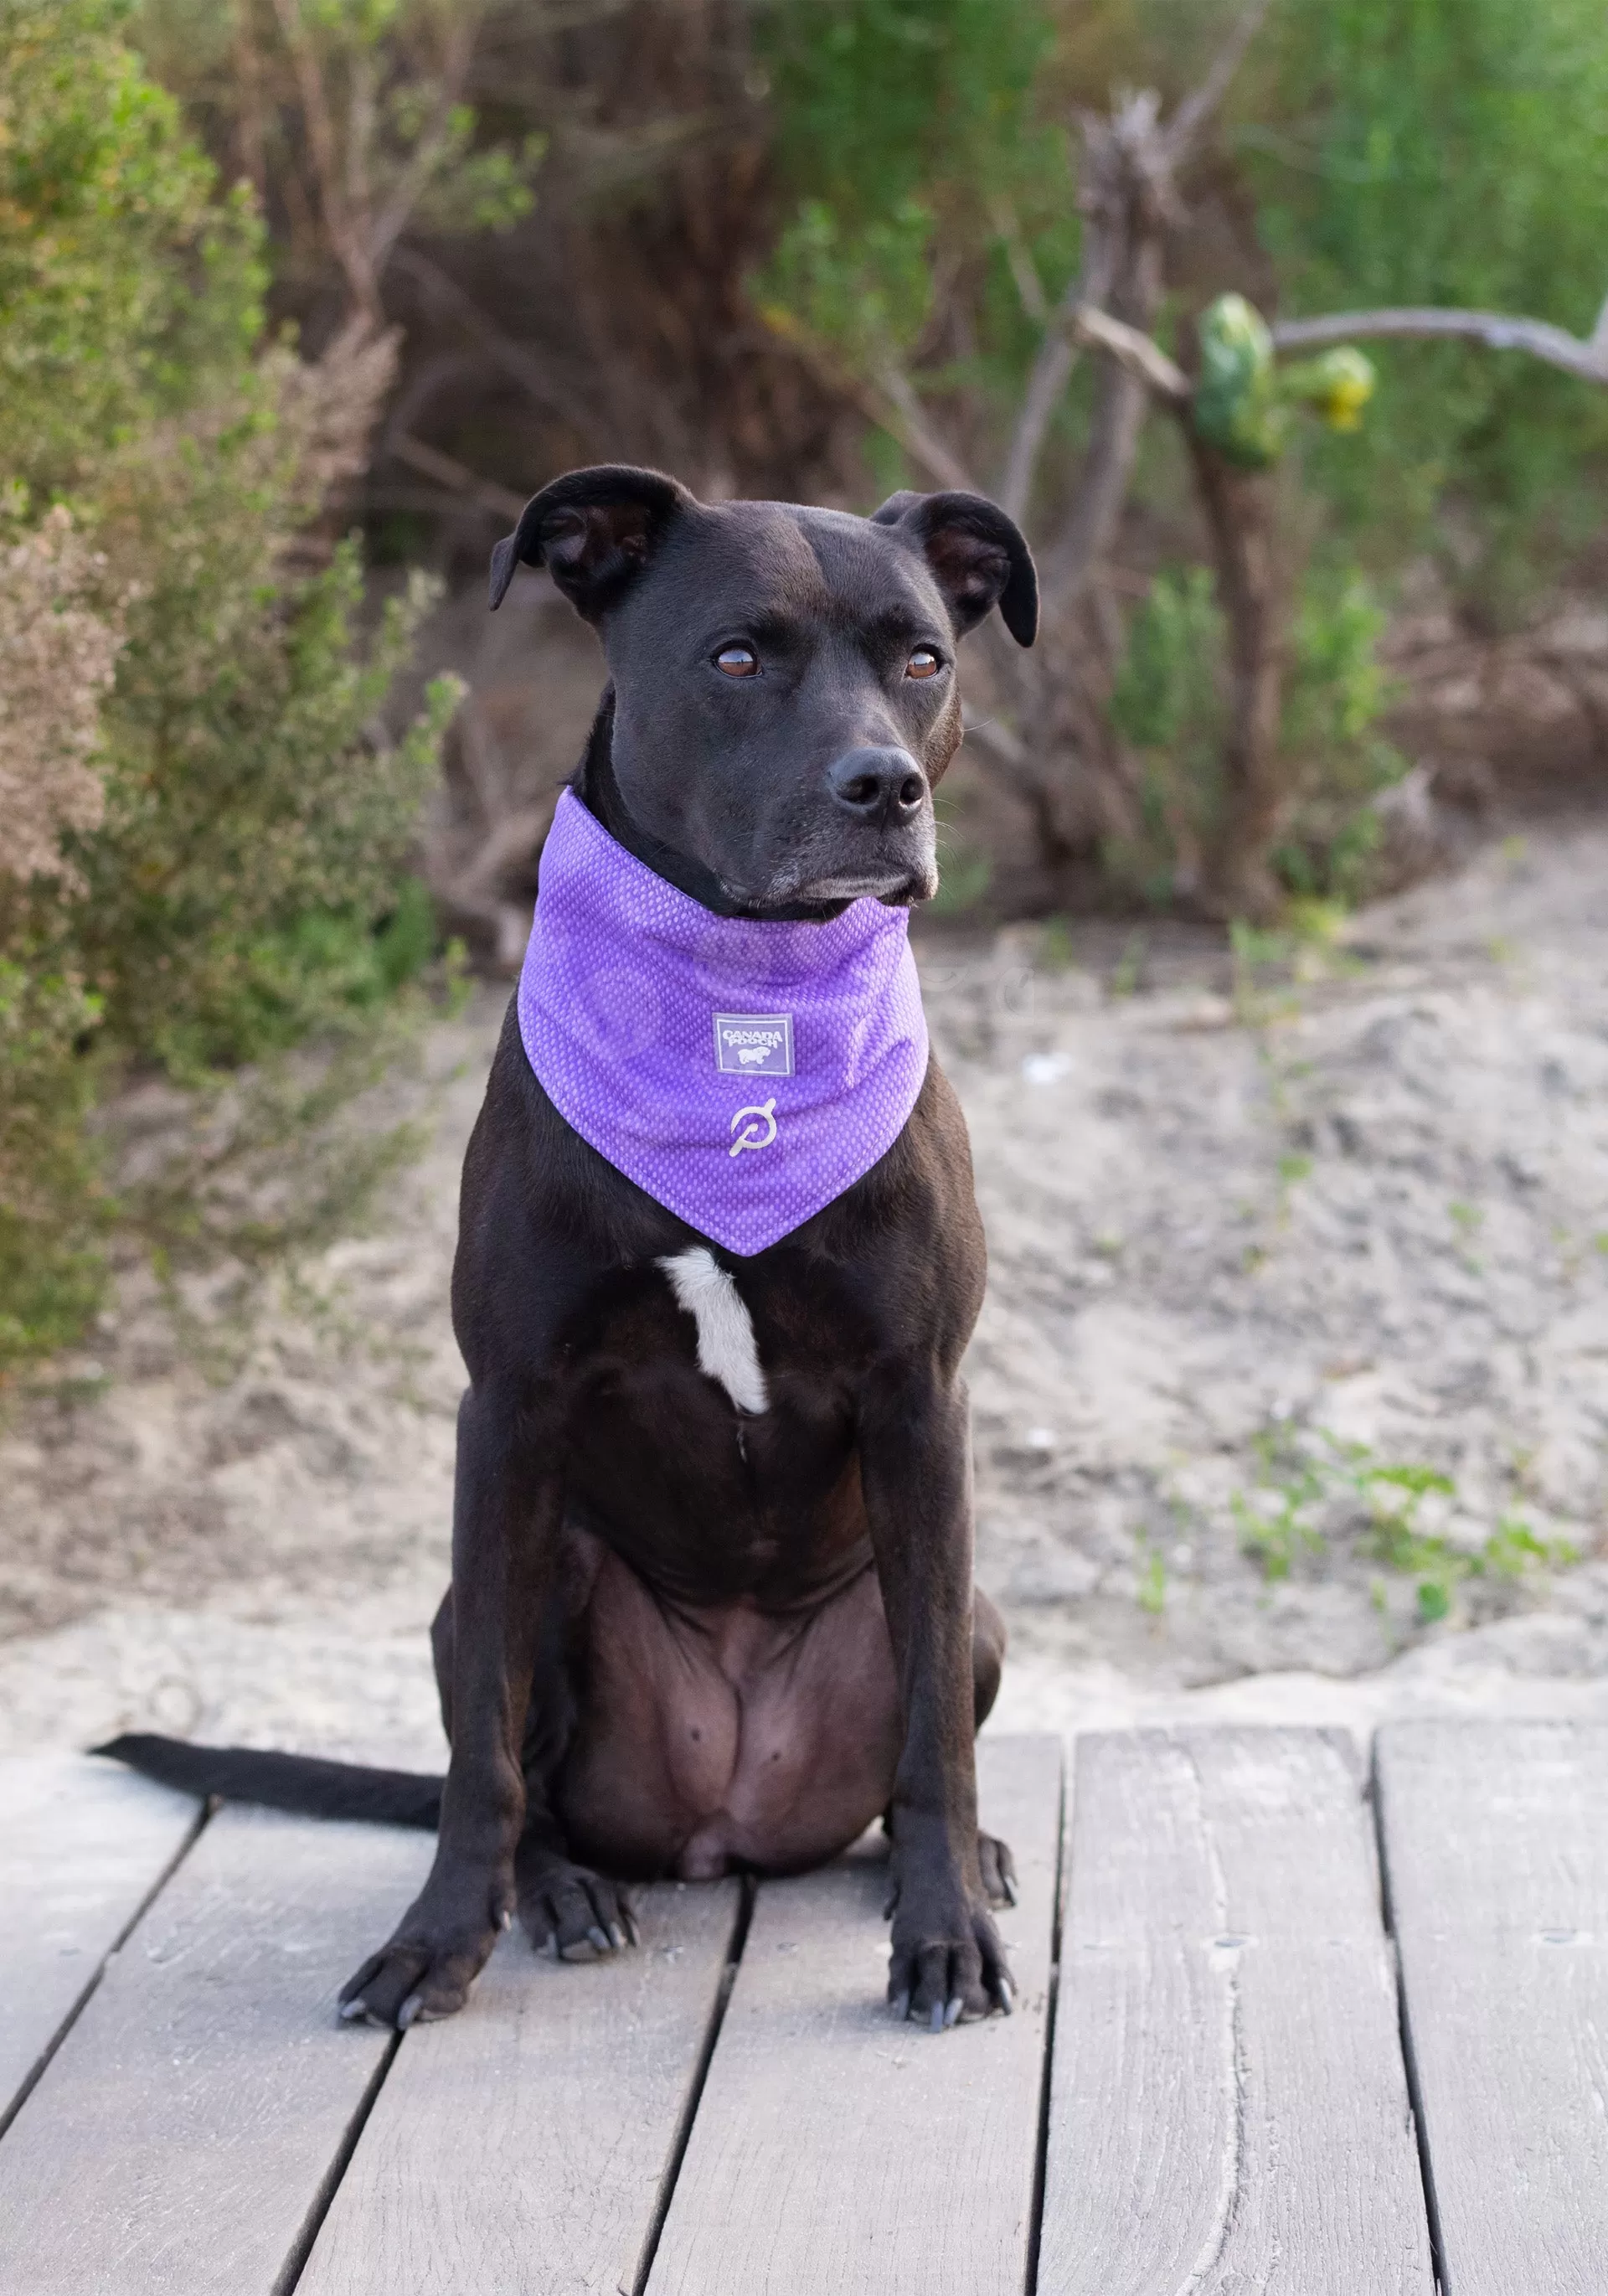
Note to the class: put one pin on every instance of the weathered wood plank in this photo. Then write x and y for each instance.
(1228, 2106)
(82, 1845)
(835, 2151)
(181, 2135)
(1495, 1842)
(520, 2148)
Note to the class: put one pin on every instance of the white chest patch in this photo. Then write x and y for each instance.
(727, 1351)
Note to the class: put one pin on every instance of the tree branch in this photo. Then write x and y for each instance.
(893, 402)
(349, 250)
(1128, 192)
(1587, 360)
(1136, 352)
(517, 360)
(1051, 371)
(427, 152)
(418, 455)
(1183, 131)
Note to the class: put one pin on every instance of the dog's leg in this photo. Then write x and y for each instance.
(564, 1907)
(916, 1469)
(989, 1639)
(507, 1519)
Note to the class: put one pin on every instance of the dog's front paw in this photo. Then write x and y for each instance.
(425, 1970)
(946, 1963)
(567, 1910)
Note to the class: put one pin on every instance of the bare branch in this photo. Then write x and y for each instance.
(347, 243)
(1101, 489)
(901, 413)
(446, 472)
(1136, 354)
(1057, 353)
(1051, 371)
(428, 150)
(990, 733)
(520, 363)
(1024, 277)
(1587, 360)
(887, 399)
(1184, 129)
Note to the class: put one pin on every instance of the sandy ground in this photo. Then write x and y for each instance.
(1265, 1253)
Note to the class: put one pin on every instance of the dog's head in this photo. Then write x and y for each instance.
(784, 679)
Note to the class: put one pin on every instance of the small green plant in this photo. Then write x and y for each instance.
(1151, 1593)
(1337, 761)
(1129, 968)
(1056, 952)
(1168, 704)
(1277, 1523)
(1305, 1492)
(1261, 969)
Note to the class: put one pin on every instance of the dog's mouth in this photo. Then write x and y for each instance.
(819, 874)
(895, 889)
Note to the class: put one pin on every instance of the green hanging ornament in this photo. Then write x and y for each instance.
(1244, 402)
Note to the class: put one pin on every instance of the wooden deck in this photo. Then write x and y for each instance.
(1239, 2064)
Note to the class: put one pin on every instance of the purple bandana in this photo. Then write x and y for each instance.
(742, 1073)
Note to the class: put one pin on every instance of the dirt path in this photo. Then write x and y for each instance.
(1321, 1268)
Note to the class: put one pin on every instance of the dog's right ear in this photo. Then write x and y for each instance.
(593, 530)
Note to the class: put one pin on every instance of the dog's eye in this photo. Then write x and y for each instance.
(922, 663)
(738, 661)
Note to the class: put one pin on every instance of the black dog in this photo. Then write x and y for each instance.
(681, 1639)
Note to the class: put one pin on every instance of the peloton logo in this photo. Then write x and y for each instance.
(753, 1044)
(759, 1128)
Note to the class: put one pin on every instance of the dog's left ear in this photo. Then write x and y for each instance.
(976, 555)
(592, 530)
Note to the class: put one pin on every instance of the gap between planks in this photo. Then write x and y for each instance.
(836, 2150)
(1495, 1842)
(1229, 2104)
(85, 1849)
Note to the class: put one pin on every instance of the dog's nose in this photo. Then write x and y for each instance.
(879, 787)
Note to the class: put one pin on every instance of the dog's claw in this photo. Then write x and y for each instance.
(1004, 1994)
(899, 2006)
(936, 2023)
(952, 2010)
(352, 2011)
(408, 2013)
(617, 1937)
(598, 1938)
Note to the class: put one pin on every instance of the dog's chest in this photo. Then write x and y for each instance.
(728, 1352)
(713, 1445)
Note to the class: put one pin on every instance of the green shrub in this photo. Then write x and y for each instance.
(1337, 761)
(207, 862)
(1445, 151)
(53, 1213)
(127, 288)
(1169, 704)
